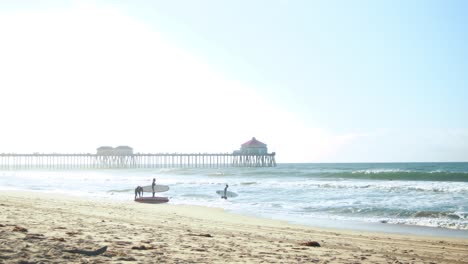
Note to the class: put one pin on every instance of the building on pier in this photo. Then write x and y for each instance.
(123, 150)
(105, 151)
(254, 147)
(118, 151)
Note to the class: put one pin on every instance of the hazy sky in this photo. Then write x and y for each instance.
(318, 81)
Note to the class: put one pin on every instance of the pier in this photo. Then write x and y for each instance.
(252, 153)
(133, 161)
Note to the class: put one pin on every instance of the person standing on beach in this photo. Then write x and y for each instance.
(225, 192)
(153, 185)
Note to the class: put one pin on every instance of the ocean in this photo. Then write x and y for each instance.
(429, 198)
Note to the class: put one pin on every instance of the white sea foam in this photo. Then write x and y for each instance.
(298, 193)
(377, 171)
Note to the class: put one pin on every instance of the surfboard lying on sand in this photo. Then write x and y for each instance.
(152, 199)
(157, 188)
(228, 193)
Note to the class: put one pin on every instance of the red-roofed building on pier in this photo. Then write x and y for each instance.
(253, 153)
(254, 146)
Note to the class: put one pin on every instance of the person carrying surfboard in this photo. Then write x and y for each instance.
(153, 185)
(225, 192)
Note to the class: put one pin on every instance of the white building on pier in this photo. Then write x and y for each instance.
(118, 151)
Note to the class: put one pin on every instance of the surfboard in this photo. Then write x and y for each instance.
(157, 188)
(152, 200)
(228, 193)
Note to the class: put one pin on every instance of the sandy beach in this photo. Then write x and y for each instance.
(45, 228)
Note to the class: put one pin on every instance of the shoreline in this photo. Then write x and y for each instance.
(341, 225)
(373, 227)
(180, 233)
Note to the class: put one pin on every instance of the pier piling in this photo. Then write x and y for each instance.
(56, 161)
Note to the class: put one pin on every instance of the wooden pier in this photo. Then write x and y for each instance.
(133, 161)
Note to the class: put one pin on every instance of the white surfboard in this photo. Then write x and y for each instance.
(157, 188)
(228, 193)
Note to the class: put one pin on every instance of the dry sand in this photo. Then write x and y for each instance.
(42, 228)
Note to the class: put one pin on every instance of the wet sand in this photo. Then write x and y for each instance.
(46, 228)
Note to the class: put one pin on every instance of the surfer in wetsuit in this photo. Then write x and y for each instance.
(138, 191)
(225, 192)
(153, 185)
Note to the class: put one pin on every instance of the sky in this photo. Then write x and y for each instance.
(317, 81)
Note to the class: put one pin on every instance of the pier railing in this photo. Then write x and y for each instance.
(138, 160)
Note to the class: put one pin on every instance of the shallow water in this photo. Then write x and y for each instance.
(409, 194)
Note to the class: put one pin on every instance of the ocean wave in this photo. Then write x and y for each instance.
(435, 214)
(397, 174)
(197, 195)
(248, 183)
(219, 174)
(440, 219)
(371, 174)
(427, 222)
(377, 171)
(121, 191)
(400, 188)
(393, 186)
